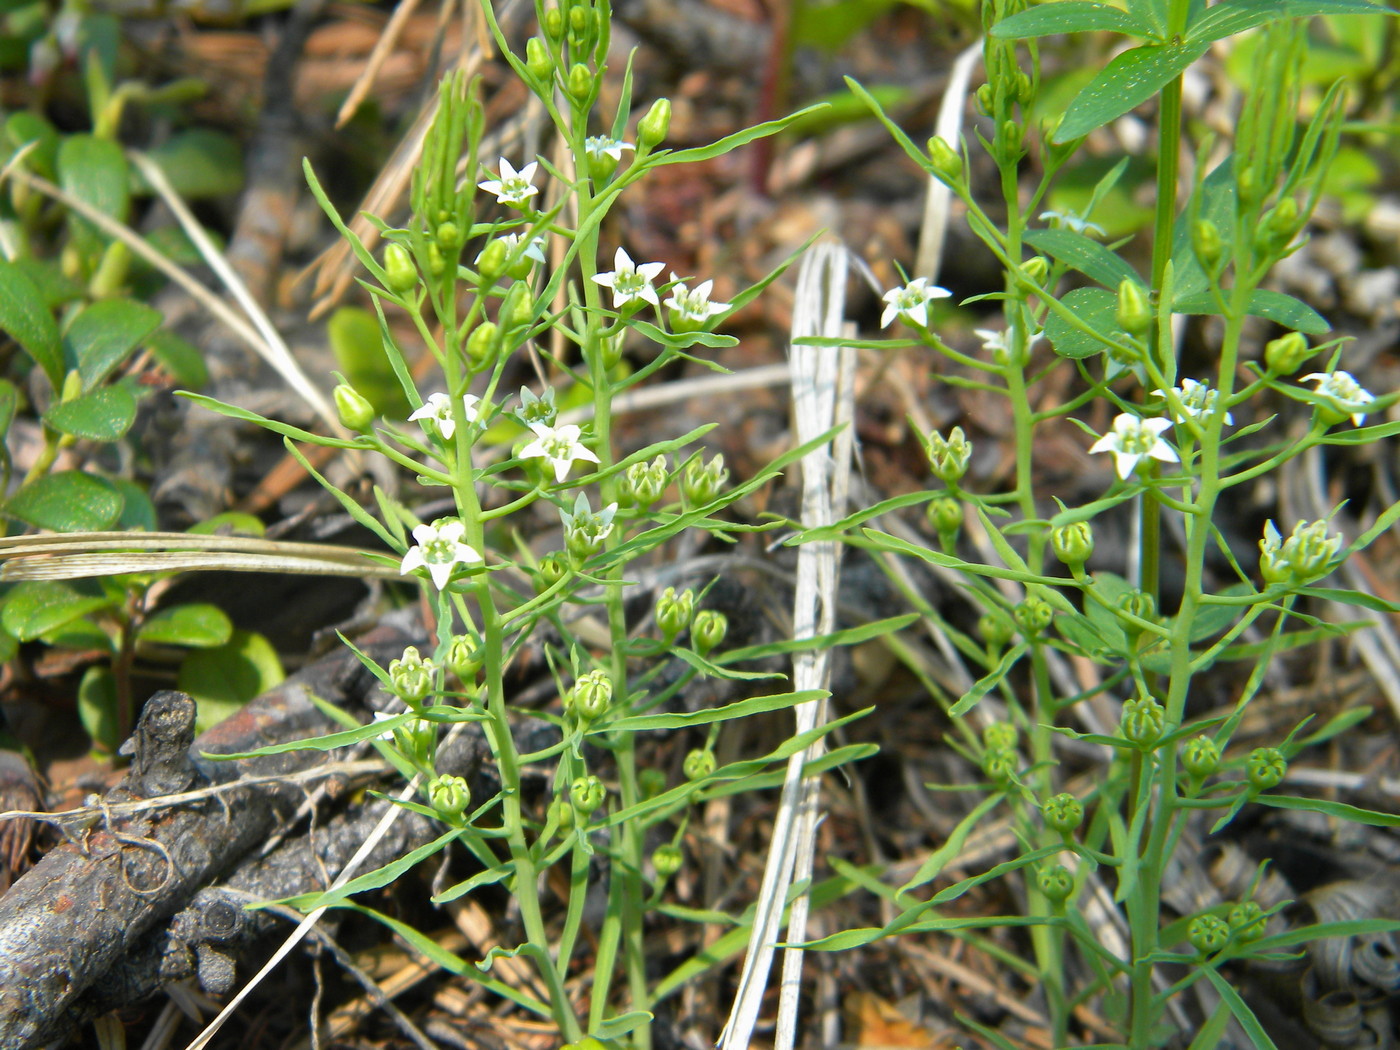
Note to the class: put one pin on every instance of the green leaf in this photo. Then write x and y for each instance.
(1243, 1014)
(850, 636)
(104, 334)
(373, 880)
(741, 709)
(1340, 810)
(69, 501)
(359, 350)
(614, 1027)
(179, 357)
(1349, 597)
(199, 163)
(1095, 307)
(138, 512)
(226, 677)
(24, 127)
(103, 414)
(27, 321)
(95, 171)
(55, 288)
(97, 707)
(1070, 16)
(35, 607)
(1263, 302)
(730, 142)
(9, 405)
(197, 625)
(285, 429)
(989, 681)
(1084, 254)
(1235, 16)
(936, 861)
(1128, 81)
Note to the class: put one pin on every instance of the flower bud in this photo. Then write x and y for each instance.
(1207, 934)
(1285, 355)
(996, 630)
(1307, 553)
(1055, 882)
(399, 272)
(411, 676)
(948, 457)
(483, 345)
(464, 658)
(1001, 735)
(945, 162)
(561, 811)
(652, 128)
(701, 483)
(708, 630)
(538, 61)
(1133, 314)
(109, 278)
(551, 569)
(986, 100)
(1032, 616)
(449, 236)
(651, 782)
(491, 263)
(591, 696)
(518, 308)
(644, 484)
(580, 21)
(673, 611)
(667, 860)
(1247, 920)
(1278, 227)
(1208, 245)
(1036, 269)
(1062, 812)
(1200, 757)
(437, 263)
(1140, 604)
(1265, 768)
(1142, 721)
(1000, 765)
(580, 82)
(587, 794)
(450, 796)
(945, 514)
(699, 763)
(553, 24)
(1247, 185)
(1008, 142)
(353, 408)
(1073, 544)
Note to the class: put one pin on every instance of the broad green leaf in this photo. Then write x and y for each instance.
(24, 127)
(1216, 203)
(104, 334)
(226, 677)
(1095, 307)
(199, 163)
(97, 708)
(35, 607)
(1273, 306)
(1128, 81)
(138, 512)
(27, 321)
(180, 358)
(95, 171)
(55, 288)
(1111, 587)
(69, 501)
(1235, 16)
(1070, 16)
(1084, 254)
(103, 414)
(197, 625)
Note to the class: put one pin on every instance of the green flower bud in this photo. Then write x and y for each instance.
(699, 763)
(580, 82)
(986, 100)
(1208, 245)
(1073, 544)
(580, 21)
(1000, 735)
(551, 569)
(652, 128)
(450, 796)
(1285, 355)
(591, 696)
(1265, 768)
(587, 794)
(109, 278)
(1137, 603)
(673, 611)
(449, 237)
(1247, 185)
(1056, 882)
(1247, 921)
(1142, 721)
(945, 514)
(948, 457)
(483, 345)
(1032, 616)
(1200, 757)
(1279, 226)
(400, 275)
(491, 263)
(947, 165)
(1000, 765)
(701, 483)
(1134, 313)
(1308, 552)
(536, 409)
(708, 630)
(538, 61)
(353, 408)
(517, 308)
(667, 860)
(562, 813)
(1062, 812)
(651, 782)
(644, 484)
(411, 676)
(553, 24)
(996, 630)
(437, 263)
(1009, 141)
(1036, 269)
(464, 658)
(1207, 934)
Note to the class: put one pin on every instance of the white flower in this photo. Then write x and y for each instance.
(911, 302)
(534, 248)
(999, 343)
(558, 446)
(513, 187)
(693, 308)
(1071, 220)
(438, 548)
(438, 408)
(1131, 439)
(584, 531)
(629, 281)
(605, 146)
(1347, 395)
(1196, 399)
(384, 716)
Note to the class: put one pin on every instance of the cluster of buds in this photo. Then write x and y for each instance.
(643, 484)
(411, 677)
(590, 697)
(701, 483)
(1306, 554)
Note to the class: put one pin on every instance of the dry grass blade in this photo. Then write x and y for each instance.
(383, 47)
(949, 128)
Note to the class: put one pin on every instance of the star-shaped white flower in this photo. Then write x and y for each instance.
(629, 281)
(998, 343)
(605, 146)
(1071, 220)
(438, 408)
(1196, 399)
(1131, 439)
(693, 307)
(557, 446)
(513, 187)
(1350, 398)
(911, 302)
(439, 549)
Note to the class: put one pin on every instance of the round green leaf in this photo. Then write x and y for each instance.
(27, 321)
(69, 501)
(24, 127)
(104, 334)
(1095, 307)
(97, 708)
(225, 678)
(94, 171)
(36, 607)
(199, 626)
(200, 163)
(180, 358)
(138, 512)
(104, 414)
